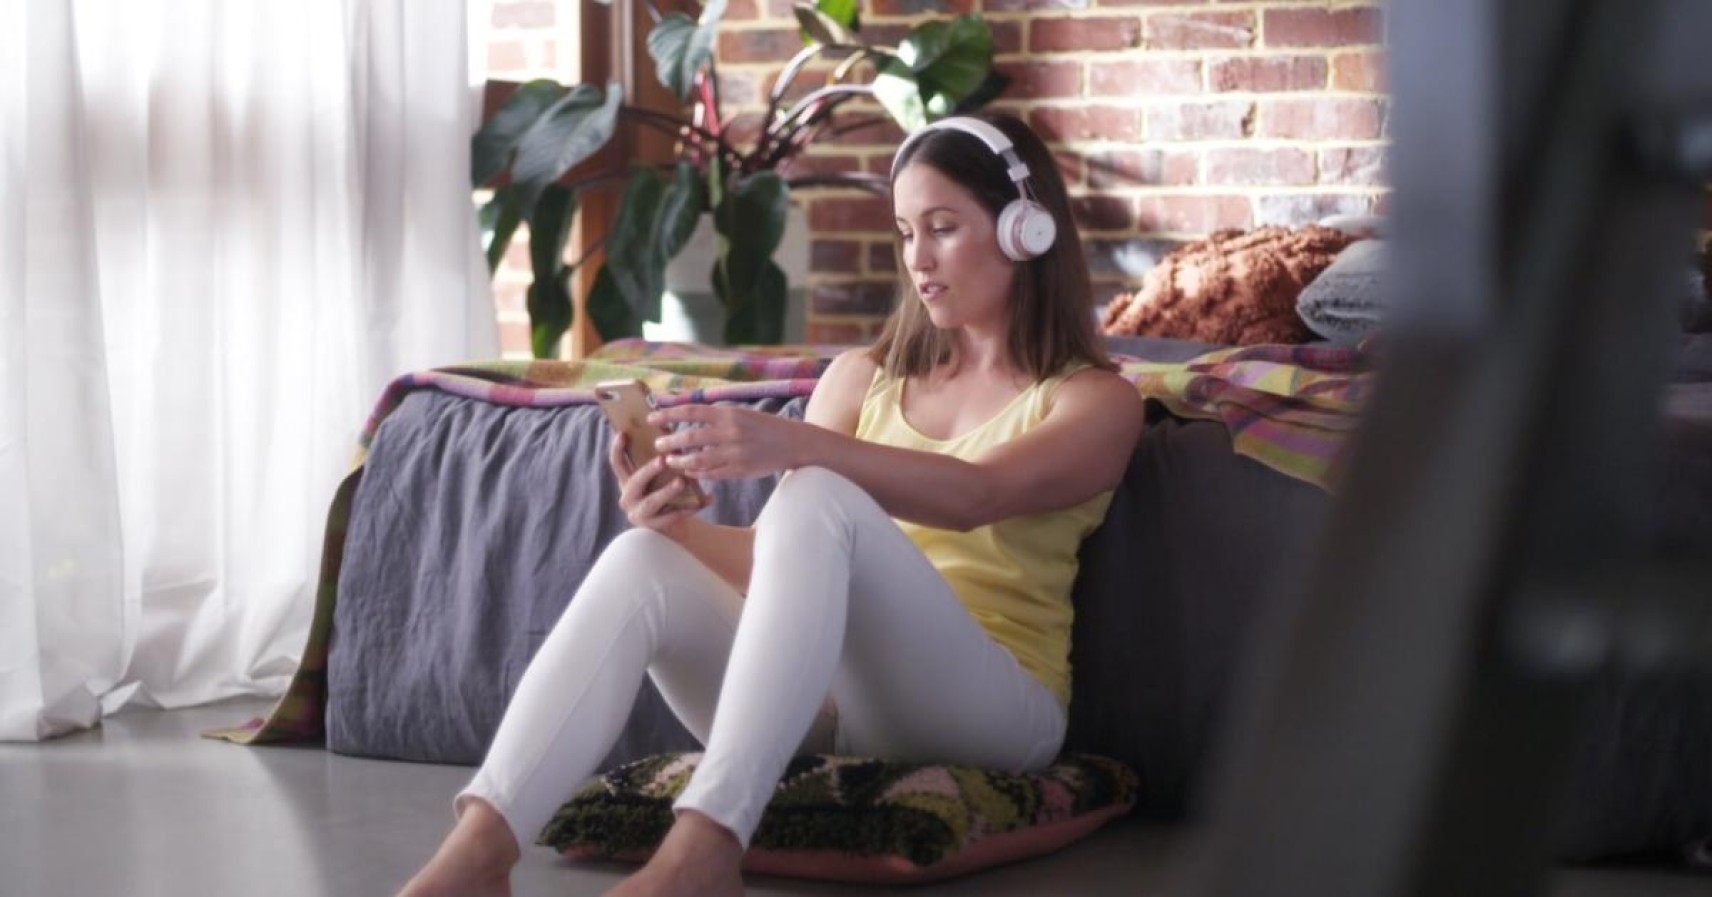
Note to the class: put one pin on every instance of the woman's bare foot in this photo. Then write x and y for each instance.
(699, 858)
(475, 860)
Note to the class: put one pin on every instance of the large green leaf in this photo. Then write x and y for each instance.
(898, 92)
(760, 318)
(549, 229)
(499, 219)
(653, 224)
(938, 66)
(491, 148)
(633, 259)
(550, 311)
(681, 208)
(751, 223)
(610, 314)
(830, 22)
(549, 298)
(573, 129)
(681, 47)
(750, 220)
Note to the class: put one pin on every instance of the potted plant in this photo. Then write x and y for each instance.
(545, 129)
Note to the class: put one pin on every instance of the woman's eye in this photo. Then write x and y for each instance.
(943, 231)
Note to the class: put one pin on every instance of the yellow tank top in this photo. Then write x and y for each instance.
(1014, 576)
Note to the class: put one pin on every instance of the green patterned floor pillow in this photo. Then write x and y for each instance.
(862, 820)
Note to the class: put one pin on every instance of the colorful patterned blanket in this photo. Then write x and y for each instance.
(1291, 408)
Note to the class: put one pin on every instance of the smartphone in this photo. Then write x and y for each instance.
(626, 404)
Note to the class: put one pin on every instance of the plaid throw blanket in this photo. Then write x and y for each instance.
(1292, 408)
(1288, 407)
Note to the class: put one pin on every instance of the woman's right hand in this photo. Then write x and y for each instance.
(648, 510)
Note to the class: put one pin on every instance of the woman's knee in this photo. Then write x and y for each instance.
(634, 563)
(815, 490)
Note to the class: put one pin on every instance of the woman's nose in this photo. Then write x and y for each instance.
(917, 256)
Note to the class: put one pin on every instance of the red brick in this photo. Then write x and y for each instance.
(835, 257)
(882, 258)
(1267, 74)
(739, 88)
(1069, 166)
(1102, 212)
(921, 7)
(1228, 120)
(1316, 26)
(523, 14)
(1007, 37)
(1032, 5)
(850, 214)
(1363, 72)
(1040, 80)
(838, 333)
(1198, 31)
(1081, 34)
(1295, 210)
(1259, 167)
(1192, 214)
(1140, 78)
(1141, 168)
(514, 340)
(758, 44)
(1360, 166)
(781, 9)
(1070, 123)
(1155, 2)
(824, 163)
(1319, 119)
(507, 56)
(511, 297)
(743, 129)
(742, 11)
(860, 297)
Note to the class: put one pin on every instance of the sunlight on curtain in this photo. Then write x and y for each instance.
(223, 227)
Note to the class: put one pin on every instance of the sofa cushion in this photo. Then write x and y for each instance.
(861, 820)
(1346, 302)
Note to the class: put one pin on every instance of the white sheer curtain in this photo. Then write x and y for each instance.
(224, 225)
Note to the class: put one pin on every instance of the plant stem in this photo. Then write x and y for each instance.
(677, 127)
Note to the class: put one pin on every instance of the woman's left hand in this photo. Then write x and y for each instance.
(724, 442)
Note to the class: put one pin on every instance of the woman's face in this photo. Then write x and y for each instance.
(950, 250)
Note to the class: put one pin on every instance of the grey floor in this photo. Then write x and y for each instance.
(142, 806)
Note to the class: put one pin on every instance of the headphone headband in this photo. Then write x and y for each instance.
(1025, 227)
(994, 138)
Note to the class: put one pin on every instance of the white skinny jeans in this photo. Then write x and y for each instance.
(841, 605)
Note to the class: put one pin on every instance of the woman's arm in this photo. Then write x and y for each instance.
(1080, 450)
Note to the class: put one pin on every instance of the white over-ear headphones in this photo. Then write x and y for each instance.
(1026, 228)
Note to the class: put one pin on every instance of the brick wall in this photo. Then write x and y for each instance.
(1171, 118)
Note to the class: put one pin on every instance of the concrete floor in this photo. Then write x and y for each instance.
(143, 807)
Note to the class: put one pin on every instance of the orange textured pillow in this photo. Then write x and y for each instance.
(1234, 288)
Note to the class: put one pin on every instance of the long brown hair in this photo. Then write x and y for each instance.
(1051, 306)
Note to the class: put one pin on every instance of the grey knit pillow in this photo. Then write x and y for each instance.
(1347, 302)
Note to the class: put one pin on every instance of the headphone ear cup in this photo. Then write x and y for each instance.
(1026, 230)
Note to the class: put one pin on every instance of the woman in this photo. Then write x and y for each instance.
(906, 591)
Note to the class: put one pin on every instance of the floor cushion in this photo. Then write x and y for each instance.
(855, 819)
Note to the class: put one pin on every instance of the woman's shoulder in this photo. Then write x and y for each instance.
(841, 390)
(850, 371)
(1090, 384)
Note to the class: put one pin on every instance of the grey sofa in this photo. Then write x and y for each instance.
(474, 523)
